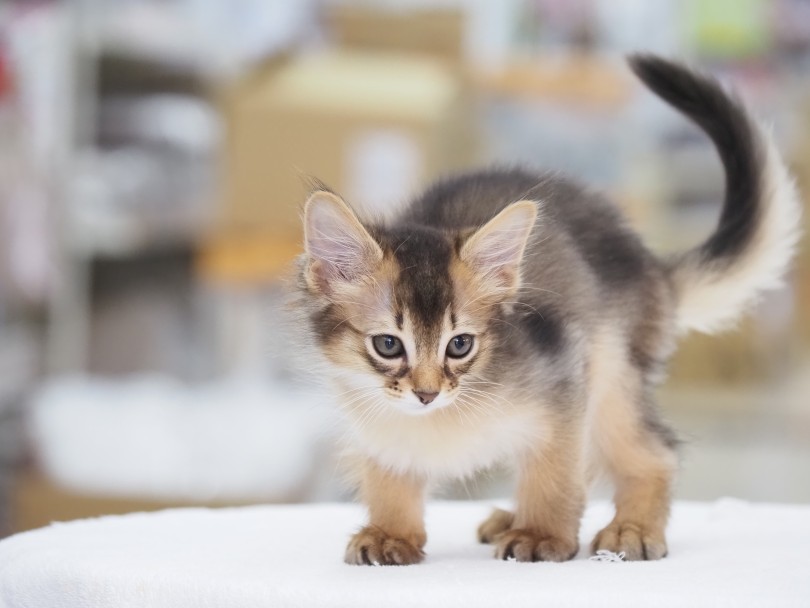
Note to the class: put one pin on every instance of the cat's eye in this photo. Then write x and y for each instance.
(388, 346)
(459, 346)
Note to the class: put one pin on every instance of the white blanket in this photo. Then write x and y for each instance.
(728, 553)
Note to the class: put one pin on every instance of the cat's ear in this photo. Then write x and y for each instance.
(495, 250)
(339, 248)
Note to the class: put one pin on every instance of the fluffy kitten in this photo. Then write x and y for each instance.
(507, 314)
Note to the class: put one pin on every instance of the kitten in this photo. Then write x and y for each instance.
(511, 315)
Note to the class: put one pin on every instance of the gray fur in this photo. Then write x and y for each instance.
(591, 298)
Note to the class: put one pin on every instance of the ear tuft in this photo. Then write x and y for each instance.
(339, 248)
(495, 250)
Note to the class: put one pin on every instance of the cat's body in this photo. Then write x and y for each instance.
(506, 315)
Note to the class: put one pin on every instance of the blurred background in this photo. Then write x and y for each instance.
(153, 157)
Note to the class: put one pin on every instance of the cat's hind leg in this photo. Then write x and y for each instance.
(638, 452)
(496, 524)
(638, 528)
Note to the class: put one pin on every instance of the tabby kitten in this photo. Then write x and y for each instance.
(511, 315)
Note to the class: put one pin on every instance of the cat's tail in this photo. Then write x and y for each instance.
(750, 250)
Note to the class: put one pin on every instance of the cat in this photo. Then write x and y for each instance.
(511, 315)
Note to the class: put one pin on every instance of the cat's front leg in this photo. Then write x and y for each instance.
(550, 502)
(395, 534)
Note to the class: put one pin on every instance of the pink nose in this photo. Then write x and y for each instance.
(424, 397)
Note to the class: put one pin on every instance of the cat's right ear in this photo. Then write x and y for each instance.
(495, 251)
(339, 248)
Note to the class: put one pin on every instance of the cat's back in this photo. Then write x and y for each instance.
(470, 200)
(572, 217)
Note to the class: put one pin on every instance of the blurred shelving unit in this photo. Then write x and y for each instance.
(141, 176)
(138, 170)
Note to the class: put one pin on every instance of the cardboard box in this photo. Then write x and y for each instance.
(374, 127)
(435, 31)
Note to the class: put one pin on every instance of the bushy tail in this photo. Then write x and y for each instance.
(754, 241)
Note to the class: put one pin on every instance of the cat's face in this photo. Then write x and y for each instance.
(406, 315)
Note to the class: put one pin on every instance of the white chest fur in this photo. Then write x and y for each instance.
(449, 443)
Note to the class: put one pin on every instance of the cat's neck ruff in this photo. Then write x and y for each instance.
(450, 442)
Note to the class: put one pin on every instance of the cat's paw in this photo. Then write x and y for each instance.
(373, 547)
(532, 546)
(634, 540)
(495, 525)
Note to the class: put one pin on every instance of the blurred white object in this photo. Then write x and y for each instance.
(382, 164)
(183, 121)
(631, 25)
(217, 37)
(153, 437)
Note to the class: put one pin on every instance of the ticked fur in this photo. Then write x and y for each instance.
(509, 315)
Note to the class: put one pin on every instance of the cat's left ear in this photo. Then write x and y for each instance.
(495, 250)
(339, 248)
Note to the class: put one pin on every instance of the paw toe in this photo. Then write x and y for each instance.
(633, 540)
(400, 552)
(496, 524)
(530, 546)
(373, 547)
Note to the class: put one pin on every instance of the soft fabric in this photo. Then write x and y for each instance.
(729, 553)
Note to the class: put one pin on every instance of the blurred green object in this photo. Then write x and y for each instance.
(728, 29)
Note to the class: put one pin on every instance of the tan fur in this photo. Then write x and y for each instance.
(427, 379)
(550, 500)
(400, 452)
(552, 484)
(473, 329)
(642, 510)
(395, 534)
(496, 524)
(365, 305)
(641, 467)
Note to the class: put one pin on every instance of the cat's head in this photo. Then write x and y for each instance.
(407, 313)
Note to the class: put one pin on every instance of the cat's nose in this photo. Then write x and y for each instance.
(424, 397)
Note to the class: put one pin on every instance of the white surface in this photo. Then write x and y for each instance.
(728, 553)
(151, 436)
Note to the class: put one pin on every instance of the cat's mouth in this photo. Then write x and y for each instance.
(415, 405)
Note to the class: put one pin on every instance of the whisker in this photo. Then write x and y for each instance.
(531, 287)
